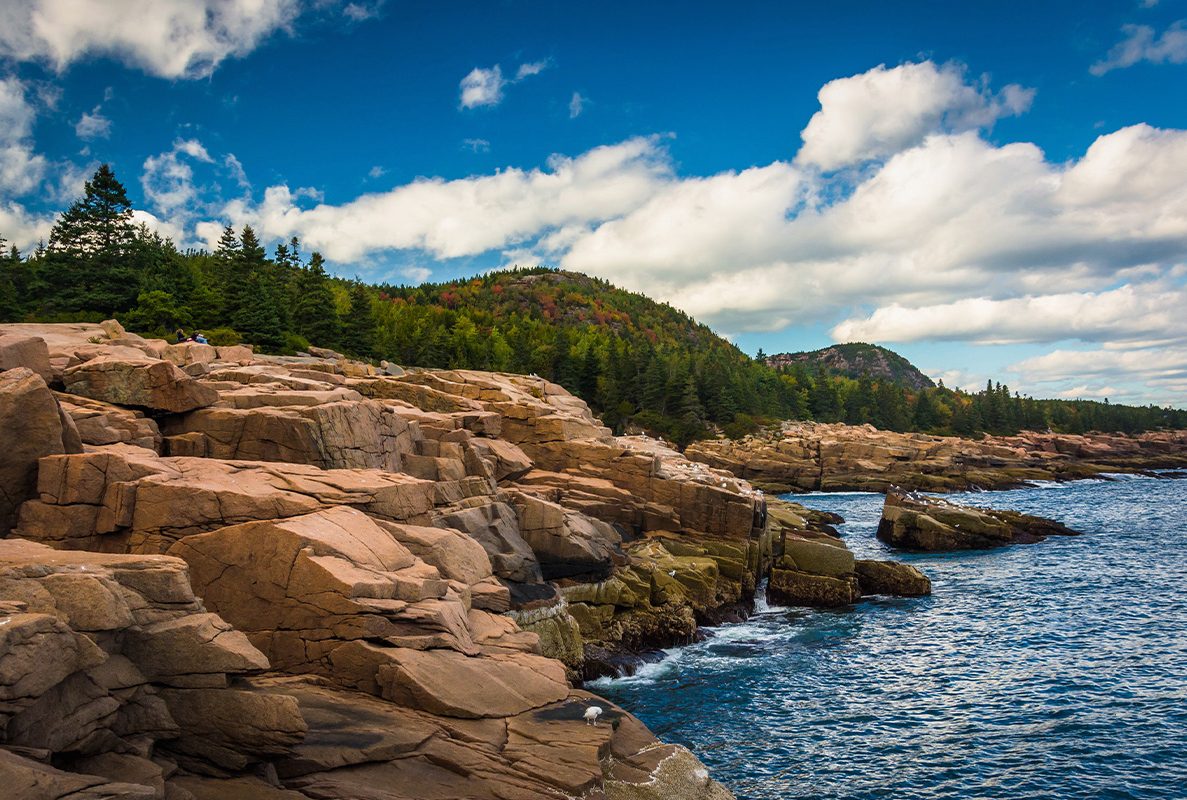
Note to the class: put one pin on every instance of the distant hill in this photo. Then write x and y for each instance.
(854, 360)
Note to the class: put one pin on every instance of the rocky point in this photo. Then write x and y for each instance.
(231, 575)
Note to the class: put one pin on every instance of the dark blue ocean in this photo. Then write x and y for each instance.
(1055, 670)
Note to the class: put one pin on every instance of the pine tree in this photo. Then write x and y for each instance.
(91, 249)
(358, 328)
(315, 316)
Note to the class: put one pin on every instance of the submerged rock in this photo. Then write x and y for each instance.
(918, 522)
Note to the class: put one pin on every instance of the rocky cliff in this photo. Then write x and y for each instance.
(807, 456)
(225, 575)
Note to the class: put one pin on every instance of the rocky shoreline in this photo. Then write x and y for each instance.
(308, 577)
(807, 457)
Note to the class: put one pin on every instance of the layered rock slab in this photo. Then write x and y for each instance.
(122, 499)
(922, 523)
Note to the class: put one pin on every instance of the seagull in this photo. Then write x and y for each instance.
(591, 715)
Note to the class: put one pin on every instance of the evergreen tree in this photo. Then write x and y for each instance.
(358, 329)
(315, 316)
(90, 253)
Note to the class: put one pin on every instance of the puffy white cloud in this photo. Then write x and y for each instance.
(884, 111)
(484, 86)
(471, 215)
(21, 170)
(1140, 313)
(166, 228)
(1142, 44)
(23, 228)
(1160, 374)
(417, 274)
(168, 38)
(168, 180)
(92, 125)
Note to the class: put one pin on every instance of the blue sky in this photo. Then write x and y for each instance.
(994, 190)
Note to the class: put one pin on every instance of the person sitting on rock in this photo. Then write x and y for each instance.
(180, 334)
(200, 339)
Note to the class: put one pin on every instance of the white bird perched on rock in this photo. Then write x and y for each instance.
(591, 715)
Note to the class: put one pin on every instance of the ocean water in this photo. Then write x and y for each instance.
(1054, 670)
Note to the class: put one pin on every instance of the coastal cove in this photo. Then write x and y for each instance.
(1036, 671)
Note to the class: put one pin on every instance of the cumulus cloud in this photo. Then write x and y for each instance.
(417, 274)
(1162, 372)
(1126, 313)
(884, 111)
(1141, 43)
(22, 227)
(92, 125)
(167, 38)
(471, 215)
(168, 179)
(484, 86)
(21, 169)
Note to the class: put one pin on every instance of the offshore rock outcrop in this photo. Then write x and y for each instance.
(917, 522)
(808, 456)
(812, 566)
(296, 577)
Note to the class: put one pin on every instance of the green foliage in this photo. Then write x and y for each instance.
(223, 337)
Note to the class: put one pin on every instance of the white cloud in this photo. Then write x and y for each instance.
(884, 111)
(416, 274)
(168, 180)
(471, 215)
(166, 228)
(21, 170)
(376, 172)
(235, 167)
(359, 12)
(1159, 373)
(92, 125)
(576, 105)
(1142, 44)
(22, 227)
(476, 145)
(484, 86)
(167, 38)
(1140, 313)
(532, 68)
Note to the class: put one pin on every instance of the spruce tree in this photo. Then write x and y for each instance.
(358, 329)
(314, 314)
(91, 249)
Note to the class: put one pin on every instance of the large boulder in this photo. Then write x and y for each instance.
(891, 577)
(922, 523)
(31, 426)
(30, 352)
(144, 383)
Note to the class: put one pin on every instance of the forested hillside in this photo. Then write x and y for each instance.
(639, 363)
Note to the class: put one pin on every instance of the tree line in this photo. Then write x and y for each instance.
(640, 364)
